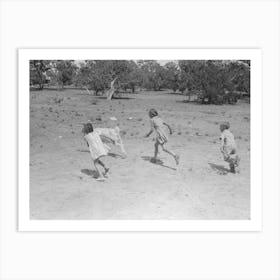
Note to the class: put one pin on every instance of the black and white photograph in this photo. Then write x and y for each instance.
(139, 139)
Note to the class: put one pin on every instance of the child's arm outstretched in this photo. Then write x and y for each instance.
(86, 142)
(222, 144)
(149, 133)
(170, 130)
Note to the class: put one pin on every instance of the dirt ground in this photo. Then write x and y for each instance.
(62, 184)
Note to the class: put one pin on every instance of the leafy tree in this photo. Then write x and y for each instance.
(38, 70)
(83, 76)
(132, 77)
(172, 76)
(88, 77)
(152, 74)
(217, 79)
(98, 74)
(240, 75)
(62, 72)
(184, 82)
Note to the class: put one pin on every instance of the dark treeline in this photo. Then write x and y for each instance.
(213, 81)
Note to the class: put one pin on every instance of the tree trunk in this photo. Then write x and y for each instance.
(111, 91)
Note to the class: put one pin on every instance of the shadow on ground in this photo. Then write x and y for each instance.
(157, 162)
(120, 97)
(219, 168)
(114, 97)
(90, 172)
(83, 151)
(114, 155)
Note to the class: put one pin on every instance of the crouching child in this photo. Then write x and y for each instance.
(228, 148)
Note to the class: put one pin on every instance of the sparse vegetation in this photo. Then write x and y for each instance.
(202, 81)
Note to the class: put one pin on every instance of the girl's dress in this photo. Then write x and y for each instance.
(228, 147)
(96, 146)
(159, 127)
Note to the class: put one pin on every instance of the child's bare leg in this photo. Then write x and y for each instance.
(106, 169)
(232, 167)
(176, 157)
(156, 150)
(100, 163)
(100, 175)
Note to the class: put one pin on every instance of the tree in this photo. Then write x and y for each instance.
(83, 76)
(38, 70)
(132, 77)
(172, 76)
(152, 74)
(216, 79)
(62, 72)
(240, 75)
(92, 76)
(98, 74)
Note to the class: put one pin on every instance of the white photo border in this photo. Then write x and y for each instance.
(253, 224)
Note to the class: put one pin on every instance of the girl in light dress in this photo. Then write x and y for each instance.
(95, 139)
(228, 147)
(159, 126)
(97, 149)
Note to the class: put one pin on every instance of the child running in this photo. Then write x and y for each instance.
(158, 125)
(97, 149)
(228, 147)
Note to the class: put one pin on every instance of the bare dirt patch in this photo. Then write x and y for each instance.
(62, 184)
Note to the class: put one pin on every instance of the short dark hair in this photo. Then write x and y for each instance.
(88, 128)
(224, 125)
(153, 113)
